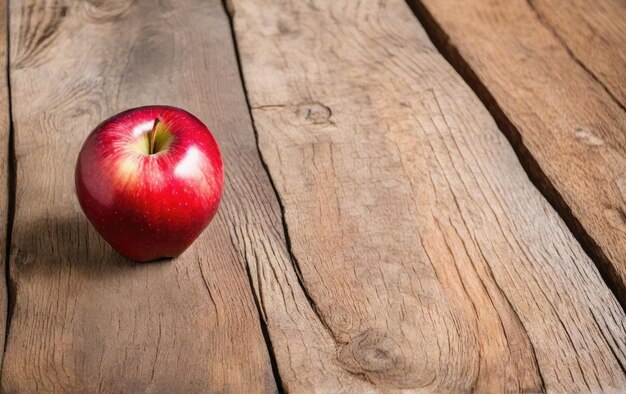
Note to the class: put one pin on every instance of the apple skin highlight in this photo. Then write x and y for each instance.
(150, 205)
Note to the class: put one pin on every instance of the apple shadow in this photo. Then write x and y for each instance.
(45, 245)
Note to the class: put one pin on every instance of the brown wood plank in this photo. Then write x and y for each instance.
(429, 256)
(566, 126)
(4, 172)
(85, 319)
(594, 31)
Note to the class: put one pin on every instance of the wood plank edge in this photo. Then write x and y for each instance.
(9, 184)
(537, 176)
(228, 12)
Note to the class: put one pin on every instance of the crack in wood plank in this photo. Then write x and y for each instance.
(7, 181)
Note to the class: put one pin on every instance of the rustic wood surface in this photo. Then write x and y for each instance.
(568, 126)
(4, 172)
(377, 231)
(86, 319)
(594, 31)
(431, 259)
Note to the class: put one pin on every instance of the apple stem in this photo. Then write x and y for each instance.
(152, 135)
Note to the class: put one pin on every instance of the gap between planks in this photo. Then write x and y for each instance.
(257, 302)
(294, 261)
(536, 174)
(10, 185)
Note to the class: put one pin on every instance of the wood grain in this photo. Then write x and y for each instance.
(4, 172)
(85, 319)
(565, 125)
(594, 32)
(431, 260)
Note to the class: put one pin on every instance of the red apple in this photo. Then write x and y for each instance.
(150, 180)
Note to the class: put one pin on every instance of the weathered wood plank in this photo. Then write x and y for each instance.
(568, 130)
(595, 33)
(430, 258)
(85, 319)
(4, 172)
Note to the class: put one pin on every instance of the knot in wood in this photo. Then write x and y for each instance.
(20, 257)
(106, 10)
(316, 113)
(378, 357)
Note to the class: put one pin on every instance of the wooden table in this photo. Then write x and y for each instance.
(422, 196)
